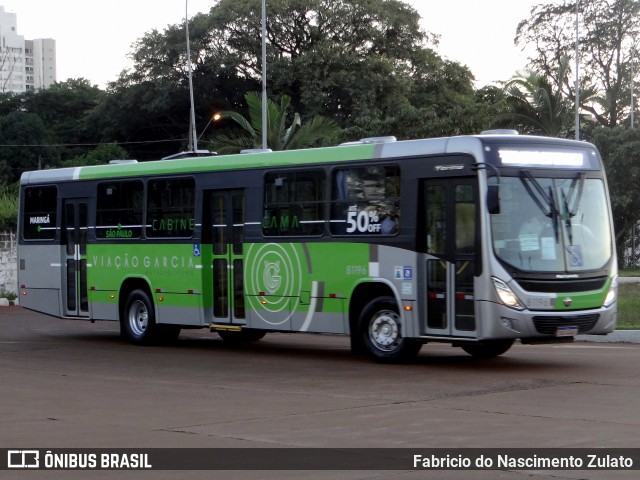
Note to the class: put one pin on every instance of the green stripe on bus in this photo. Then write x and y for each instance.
(581, 300)
(231, 162)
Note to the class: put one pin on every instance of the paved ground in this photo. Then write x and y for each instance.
(76, 384)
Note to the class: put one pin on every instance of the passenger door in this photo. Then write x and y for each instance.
(226, 223)
(74, 267)
(449, 209)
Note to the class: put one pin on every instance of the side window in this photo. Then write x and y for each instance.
(366, 200)
(119, 210)
(436, 219)
(170, 208)
(294, 203)
(39, 213)
(465, 219)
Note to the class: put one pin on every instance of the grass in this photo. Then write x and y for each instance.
(629, 306)
(630, 272)
(8, 208)
(8, 295)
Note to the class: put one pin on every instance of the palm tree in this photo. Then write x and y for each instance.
(279, 136)
(538, 106)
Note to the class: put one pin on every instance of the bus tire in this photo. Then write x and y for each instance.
(139, 319)
(243, 336)
(488, 349)
(380, 330)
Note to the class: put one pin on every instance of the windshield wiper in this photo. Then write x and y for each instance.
(570, 212)
(568, 215)
(549, 207)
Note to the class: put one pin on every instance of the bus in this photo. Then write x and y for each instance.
(476, 241)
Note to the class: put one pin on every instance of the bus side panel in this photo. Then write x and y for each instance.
(103, 305)
(179, 309)
(298, 286)
(40, 277)
(307, 287)
(172, 274)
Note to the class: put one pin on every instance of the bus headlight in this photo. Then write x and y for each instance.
(506, 295)
(611, 294)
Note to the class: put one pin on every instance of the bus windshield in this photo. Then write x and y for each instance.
(552, 224)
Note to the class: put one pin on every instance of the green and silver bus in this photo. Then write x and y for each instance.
(476, 241)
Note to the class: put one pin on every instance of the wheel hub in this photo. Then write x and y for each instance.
(139, 318)
(384, 329)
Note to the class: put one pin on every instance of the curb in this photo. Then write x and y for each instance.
(628, 279)
(618, 336)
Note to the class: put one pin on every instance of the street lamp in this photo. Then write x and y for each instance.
(214, 118)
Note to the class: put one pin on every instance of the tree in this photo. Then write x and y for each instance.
(318, 130)
(149, 104)
(66, 110)
(365, 63)
(100, 155)
(538, 106)
(608, 32)
(24, 146)
(620, 150)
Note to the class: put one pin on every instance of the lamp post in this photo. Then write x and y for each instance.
(264, 74)
(633, 58)
(577, 71)
(192, 130)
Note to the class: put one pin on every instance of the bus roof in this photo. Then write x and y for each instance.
(471, 145)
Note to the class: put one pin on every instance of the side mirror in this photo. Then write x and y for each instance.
(493, 199)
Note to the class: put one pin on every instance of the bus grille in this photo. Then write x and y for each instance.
(549, 325)
(566, 286)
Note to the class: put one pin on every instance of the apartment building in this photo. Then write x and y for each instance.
(24, 64)
(40, 63)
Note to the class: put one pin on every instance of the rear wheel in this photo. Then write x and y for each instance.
(139, 319)
(488, 349)
(380, 330)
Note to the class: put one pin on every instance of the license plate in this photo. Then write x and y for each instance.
(566, 331)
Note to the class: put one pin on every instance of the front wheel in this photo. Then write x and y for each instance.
(380, 330)
(488, 349)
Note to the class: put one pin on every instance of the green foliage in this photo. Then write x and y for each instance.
(66, 109)
(98, 156)
(24, 141)
(628, 306)
(47, 126)
(150, 103)
(538, 106)
(318, 131)
(365, 64)
(609, 30)
(620, 150)
(8, 207)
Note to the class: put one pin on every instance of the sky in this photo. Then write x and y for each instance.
(94, 38)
